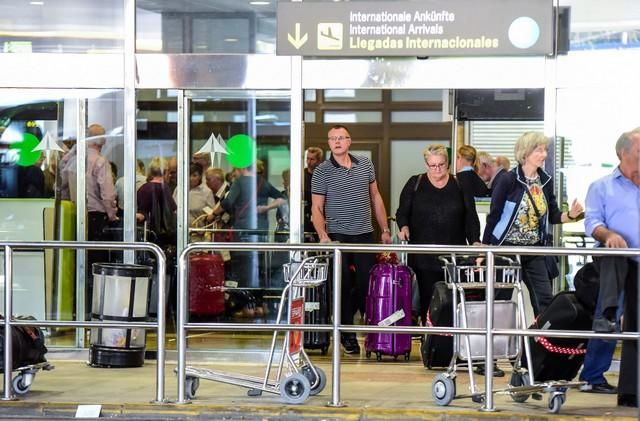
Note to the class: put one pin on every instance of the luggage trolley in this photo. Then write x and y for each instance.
(291, 374)
(463, 275)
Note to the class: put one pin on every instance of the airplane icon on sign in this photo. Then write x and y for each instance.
(329, 36)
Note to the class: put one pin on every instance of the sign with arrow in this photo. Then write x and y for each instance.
(419, 28)
(296, 41)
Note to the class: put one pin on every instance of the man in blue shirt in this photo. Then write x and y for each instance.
(613, 219)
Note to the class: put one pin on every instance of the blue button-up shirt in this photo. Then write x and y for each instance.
(613, 201)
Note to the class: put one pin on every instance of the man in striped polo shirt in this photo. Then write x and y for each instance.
(344, 189)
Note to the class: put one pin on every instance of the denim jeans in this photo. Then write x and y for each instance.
(600, 351)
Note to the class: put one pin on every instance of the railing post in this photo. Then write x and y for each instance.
(8, 310)
(488, 361)
(161, 329)
(335, 361)
(181, 335)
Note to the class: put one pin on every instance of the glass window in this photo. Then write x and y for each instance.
(353, 117)
(416, 116)
(405, 95)
(309, 117)
(359, 95)
(206, 27)
(70, 26)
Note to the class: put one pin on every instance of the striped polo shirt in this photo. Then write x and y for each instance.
(347, 203)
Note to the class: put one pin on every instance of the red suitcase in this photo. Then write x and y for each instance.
(206, 281)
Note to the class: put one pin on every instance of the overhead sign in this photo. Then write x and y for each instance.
(416, 28)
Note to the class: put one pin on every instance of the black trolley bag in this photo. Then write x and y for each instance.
(437, 349)
(316, 312)
(27, 346)
(559, 358)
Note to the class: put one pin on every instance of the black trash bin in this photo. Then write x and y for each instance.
(120, 293)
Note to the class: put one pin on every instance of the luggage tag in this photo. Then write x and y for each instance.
(394, 317)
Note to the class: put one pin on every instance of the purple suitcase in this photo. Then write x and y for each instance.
(389, 295)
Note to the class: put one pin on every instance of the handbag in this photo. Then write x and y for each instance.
(200, 223)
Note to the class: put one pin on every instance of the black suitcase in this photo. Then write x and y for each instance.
(27, 346)
(316, 311)
(559, 358)
(437, 349)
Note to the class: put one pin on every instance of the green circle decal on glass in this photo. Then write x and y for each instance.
(242, 151)
(26, 155)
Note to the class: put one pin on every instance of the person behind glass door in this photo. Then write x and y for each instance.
(200, 196)
(314, 157)
(344, 189)
(522, 205)
(467, 167)
(248, 203)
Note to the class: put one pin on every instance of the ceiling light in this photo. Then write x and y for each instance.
(259, 3)
(36, 3)
(231, 39)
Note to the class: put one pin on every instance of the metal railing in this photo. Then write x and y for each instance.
(160, 326)
(336, 327)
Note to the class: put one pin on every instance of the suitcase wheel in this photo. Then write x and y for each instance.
(407, 356)
(443, 389)
(378, 356)
(477, 398)
(191, 385)
(519, 378)
(368, 354)
(324, 350)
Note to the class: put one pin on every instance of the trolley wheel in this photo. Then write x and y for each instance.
(19, 385)
(519, 378)
(191, 385)
(324, 350)
(407, 356)
(295, 389)
(378, 356)
(443, 389)
(555, 402)
(367, 354)
(317, 384)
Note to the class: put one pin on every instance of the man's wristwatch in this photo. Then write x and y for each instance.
(387, 230)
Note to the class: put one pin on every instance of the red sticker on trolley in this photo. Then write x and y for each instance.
(296, 318)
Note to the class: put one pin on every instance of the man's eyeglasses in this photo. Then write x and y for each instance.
(437, 166)
(340, 138)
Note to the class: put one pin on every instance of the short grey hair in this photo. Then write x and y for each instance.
(624, 141)
(435, 150)
(527, 143)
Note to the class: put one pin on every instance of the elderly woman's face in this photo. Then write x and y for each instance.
(437, 166)
(537, 157)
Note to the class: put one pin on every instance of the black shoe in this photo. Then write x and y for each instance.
(350, 344)
(497, 372)
(605, 388)
(628, 400)
(602, 325)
